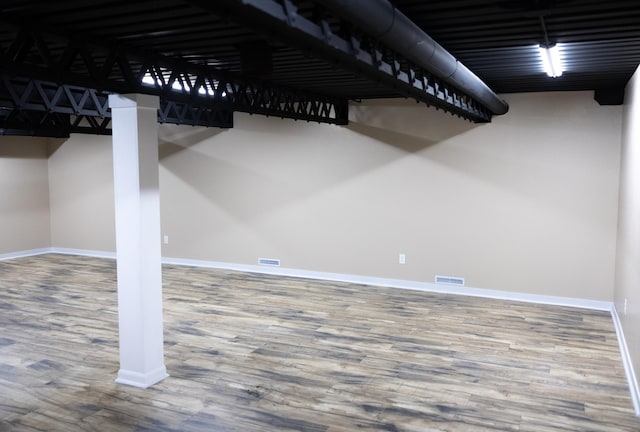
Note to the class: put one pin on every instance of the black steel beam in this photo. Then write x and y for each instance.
(192, 92)
(85, 110)
(34, 123)
(383, 21)
(36, 95)
(319, 31)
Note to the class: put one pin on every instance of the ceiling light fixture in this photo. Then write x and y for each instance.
(550, 54)
(551, 60)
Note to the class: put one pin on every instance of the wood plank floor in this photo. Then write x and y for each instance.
(251, 352)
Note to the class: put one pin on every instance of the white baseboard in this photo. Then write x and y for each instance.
(340, 277)
(626, 361)
(58, 250)
(84, 252)
(399, 283)
(25, 253)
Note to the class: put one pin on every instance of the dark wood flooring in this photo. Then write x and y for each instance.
(249, 352)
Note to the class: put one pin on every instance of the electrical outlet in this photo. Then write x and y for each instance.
(625, 307)
(166, 239)
(402, 259)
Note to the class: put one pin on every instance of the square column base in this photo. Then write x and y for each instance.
(138, 379)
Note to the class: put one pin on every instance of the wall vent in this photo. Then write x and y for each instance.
(449, 280)
(269, 262)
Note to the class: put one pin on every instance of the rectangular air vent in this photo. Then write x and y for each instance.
(450, 280)
(269, 262)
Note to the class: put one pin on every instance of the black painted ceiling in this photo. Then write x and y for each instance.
(600, 40)
(497, 40)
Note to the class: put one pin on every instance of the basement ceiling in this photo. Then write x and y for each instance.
(599, 40)
(207, 59)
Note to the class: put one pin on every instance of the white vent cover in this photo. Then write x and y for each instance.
(269, 262)
(450, 280)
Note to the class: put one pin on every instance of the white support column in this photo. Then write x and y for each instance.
(137, 201)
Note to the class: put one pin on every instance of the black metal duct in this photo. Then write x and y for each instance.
(380, 19)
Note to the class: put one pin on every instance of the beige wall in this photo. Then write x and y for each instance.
(81, 191)
(627, 285)
(527, 203)
(24, 194)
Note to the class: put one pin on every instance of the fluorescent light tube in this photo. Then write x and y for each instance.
(551, 60)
